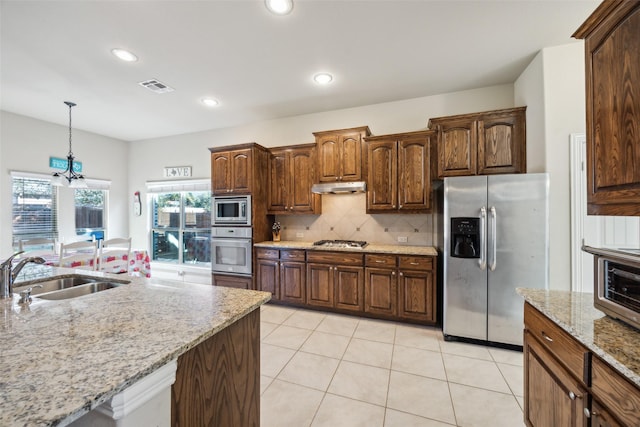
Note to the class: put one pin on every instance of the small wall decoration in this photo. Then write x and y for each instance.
(177, 172)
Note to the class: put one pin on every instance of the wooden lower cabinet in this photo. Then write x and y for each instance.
(380, 291)
(567, 385)
(555, 397)
(320, 285)
(283, 273)
(293, 280)
(268, 276)
(348, 285)
(240, 282)
(218, 382)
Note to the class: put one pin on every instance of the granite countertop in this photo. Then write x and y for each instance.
(370, 248)
(60, 359)
(613, 341)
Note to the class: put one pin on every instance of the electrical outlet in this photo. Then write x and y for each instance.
(299, 234)
(402, 239)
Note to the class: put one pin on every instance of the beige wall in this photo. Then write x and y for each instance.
(26, 145)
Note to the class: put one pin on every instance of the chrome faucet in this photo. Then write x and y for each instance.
(8, 275)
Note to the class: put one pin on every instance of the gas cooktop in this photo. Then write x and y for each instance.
(351, 244)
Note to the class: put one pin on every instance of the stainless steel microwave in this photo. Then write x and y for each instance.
(231, 210)
(617, 283)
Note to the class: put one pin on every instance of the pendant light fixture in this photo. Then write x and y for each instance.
(69, 176)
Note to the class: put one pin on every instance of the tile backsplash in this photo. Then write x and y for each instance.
(344, 217)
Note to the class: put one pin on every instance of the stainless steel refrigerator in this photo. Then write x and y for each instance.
(496, 239)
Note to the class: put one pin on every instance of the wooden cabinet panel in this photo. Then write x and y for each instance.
(340, 154)
(342, 258)
(293, 281)
(239, 282)
(621, 397)
(416, 298)
(220, 172)
(349, 293)
(320, 285)
(406, 262)
(398, 172)
(380, 260)
(600, 417)
(241, 171)
(489, 142)
(231, 171)
(268, 277)
(612, 50)
(292, 173)
(555, 397)
(380, 291)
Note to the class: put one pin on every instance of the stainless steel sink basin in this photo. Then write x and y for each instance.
(69, 287)
(79, 290)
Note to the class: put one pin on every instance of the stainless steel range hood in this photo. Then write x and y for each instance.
(339, 187)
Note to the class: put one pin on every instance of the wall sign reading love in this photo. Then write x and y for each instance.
(177, 172)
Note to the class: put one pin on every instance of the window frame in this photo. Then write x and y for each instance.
(105, 213)
(53, 232)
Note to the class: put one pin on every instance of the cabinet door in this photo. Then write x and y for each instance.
(268, 277)
(552, 396)
(351, 157)
(293, 281)
(301, 177)
(600, 417)
(241, 171)
(613, 113)
(232, 281)
(414, 174)
(457, 143)
(381, 176)
(278, 177)
(349, 292)
(220, 173)
(417, 295)
(502, 144)
(328, 158)
(320, 285)
(380, 291)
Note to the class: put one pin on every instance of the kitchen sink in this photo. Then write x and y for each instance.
(69, 287)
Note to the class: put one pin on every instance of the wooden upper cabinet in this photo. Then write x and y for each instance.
(485, 143)
(231, 171)
(340, 154)
(291, 175)
(398, 172)
(612, 53)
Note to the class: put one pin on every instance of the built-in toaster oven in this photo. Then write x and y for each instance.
(617, 283)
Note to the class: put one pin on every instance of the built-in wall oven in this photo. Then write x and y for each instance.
(231, 210)
(617, 283)
(231, 250)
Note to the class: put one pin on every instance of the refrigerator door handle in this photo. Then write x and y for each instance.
(494, 238)
(482, 262)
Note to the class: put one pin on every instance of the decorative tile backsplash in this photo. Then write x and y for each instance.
(344, 217)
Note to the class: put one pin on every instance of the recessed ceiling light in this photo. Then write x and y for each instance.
(125, 55)
(323, 78)
(279, 7)
(210, 102)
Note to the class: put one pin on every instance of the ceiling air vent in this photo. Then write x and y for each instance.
(156, 86)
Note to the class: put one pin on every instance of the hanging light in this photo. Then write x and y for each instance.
(73, 179)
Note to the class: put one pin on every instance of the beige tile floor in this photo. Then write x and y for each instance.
(323, 369)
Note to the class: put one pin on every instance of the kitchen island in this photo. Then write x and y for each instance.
(62, 359)
(579, 363)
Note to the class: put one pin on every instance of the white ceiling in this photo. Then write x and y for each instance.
(258, 65)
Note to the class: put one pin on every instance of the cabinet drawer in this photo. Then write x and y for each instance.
(267, 253)
(342, 258)
(376, 260)
(568, 351)
(415, 263)
(620, 396)
(292, 255)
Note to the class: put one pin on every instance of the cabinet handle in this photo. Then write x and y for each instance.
(572, 395)
(547, 337)
(414, 263)
(399, 206)
(393, 206)
(587, 413)
(393, 273)
(401, 273)
(378, 261)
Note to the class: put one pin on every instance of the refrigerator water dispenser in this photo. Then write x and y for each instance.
(465, 241)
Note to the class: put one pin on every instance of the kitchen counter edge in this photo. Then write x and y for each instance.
(613, 341)
(370, 248)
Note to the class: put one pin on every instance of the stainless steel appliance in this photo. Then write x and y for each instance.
(231, 250)
(231, 210)
(350, 244)
(495, 239)
(617, 283)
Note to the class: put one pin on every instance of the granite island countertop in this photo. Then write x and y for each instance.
(370, 248)
(613, 341)
(61, 359)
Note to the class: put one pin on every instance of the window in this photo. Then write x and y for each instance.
(181, 227)
(34, 208)
(90, 213)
